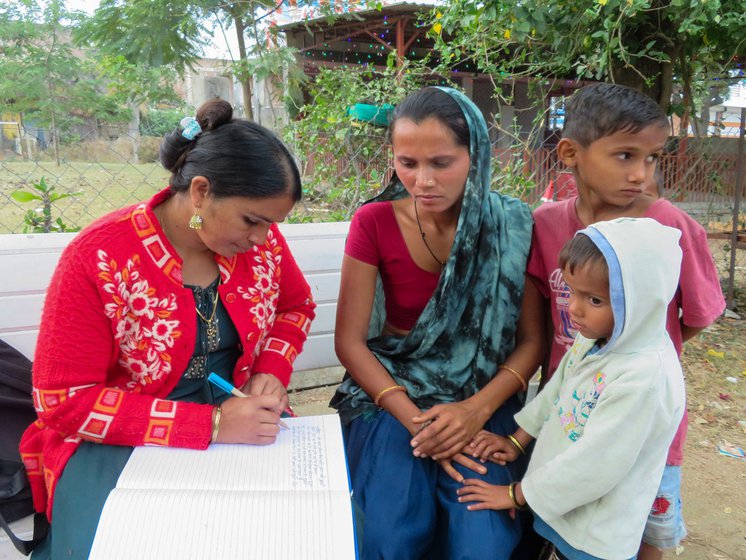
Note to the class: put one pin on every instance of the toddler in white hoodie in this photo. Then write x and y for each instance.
(605, 420)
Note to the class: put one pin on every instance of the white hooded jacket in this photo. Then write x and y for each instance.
(604, 421)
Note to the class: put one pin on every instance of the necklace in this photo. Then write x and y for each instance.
(422, 233)
(212, 324)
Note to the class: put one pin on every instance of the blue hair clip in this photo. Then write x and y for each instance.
(191, 128)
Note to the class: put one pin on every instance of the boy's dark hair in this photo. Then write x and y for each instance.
(580, 252)
(432, 102)
(238, 157)
(600, 110)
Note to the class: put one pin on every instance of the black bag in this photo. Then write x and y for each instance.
(16, 414)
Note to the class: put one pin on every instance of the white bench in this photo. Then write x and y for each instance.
(28, 261)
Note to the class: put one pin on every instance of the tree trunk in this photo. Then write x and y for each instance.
(133, 131)
(55, 138)
(666, 81)
(633, 78)
(244, 79)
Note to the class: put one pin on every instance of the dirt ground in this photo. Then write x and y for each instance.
(714, 485)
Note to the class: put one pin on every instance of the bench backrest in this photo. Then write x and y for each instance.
(27, 262)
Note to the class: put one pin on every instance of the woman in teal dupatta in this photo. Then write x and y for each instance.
(415, 397)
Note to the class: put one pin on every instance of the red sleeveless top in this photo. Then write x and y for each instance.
(375, 239)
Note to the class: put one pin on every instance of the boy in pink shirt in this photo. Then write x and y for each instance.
(612, 139)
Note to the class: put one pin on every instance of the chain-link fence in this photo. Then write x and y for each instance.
(104, 170)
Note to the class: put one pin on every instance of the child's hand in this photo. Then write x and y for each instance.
(485, 496)
(491, 447)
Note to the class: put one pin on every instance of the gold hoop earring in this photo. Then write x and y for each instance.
(195, 222)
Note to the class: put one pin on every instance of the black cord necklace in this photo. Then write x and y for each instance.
(422, 233)
(210, 322)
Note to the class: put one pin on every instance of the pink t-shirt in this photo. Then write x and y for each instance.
(375, 239)
(698, 301)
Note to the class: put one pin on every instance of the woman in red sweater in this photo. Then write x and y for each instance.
(150, 299)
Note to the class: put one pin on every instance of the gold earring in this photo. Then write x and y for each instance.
(195, 222)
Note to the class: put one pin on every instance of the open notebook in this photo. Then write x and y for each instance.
(287, 500)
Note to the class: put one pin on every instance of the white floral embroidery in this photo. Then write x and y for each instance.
(162, 333)
(143, 330)
(265, 290)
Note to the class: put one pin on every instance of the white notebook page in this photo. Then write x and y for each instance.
(287, 500)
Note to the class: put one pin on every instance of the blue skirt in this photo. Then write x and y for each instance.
(410, 506)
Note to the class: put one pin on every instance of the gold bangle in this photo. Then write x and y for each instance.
(517, 444)
(511, 493)
(517, 375)
(216, 424)
(386, 390)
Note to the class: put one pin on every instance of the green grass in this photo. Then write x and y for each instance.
(104, 187)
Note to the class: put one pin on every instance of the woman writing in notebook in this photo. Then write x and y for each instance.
(439, 352)
(149, 300)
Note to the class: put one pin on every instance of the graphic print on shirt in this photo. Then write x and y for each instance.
(573, 421)
(565, 334)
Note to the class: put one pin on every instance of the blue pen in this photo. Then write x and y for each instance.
(226, 386)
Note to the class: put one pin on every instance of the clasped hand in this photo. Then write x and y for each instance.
(487, 446)
(267, 384)
(254, 419)
(479, 494)
(446, 429)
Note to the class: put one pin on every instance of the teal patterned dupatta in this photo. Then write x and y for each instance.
(468, 327)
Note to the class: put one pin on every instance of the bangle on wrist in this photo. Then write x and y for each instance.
(517, 444)
(386, 390)
(215, 424)
(511, 494)
(517, 375)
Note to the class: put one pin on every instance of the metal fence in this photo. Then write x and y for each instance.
(97, 173)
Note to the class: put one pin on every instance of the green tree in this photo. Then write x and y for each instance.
(173, 32)
(327, 133)
(647, 44)
(134, 85)
(43, 76)
(142, 47)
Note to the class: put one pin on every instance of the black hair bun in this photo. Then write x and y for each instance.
(214, 113)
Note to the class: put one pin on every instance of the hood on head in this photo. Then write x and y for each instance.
(644, 260)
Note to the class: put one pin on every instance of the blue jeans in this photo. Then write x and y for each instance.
(665, 526)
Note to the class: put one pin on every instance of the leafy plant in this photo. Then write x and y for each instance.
(39, 219)
(512, 177)
(345, 160)
(159, 122)
(652, 45)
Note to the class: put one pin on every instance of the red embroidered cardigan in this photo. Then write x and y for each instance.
(118, 330)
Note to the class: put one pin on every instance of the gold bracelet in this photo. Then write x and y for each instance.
(517, 375)
(517, 444)
(216, 424)
(511, 493)
(386, 390)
